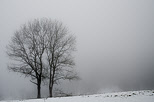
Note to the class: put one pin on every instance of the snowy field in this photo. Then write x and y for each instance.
(131, 96)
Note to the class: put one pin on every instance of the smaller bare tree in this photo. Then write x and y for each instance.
(60, 45)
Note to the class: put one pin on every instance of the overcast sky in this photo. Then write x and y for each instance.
(115, 41)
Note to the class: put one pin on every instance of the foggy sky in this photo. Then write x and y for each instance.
(115, 43)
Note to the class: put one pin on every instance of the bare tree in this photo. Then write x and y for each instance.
(43, 50)
(60, 45)
(27, 48)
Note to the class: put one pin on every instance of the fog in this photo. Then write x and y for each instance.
(115, 43)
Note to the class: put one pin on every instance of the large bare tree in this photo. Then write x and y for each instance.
(27, 48)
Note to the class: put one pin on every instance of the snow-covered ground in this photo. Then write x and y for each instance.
(130, 96)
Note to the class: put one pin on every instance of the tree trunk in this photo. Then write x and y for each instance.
(51, 83)
(39, 90)
(50, 91)
(51, 87)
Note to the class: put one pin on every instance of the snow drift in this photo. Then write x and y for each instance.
(130, 96)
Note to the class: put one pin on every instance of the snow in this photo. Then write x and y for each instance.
(131, 96)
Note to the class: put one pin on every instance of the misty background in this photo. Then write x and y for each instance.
(115, 44)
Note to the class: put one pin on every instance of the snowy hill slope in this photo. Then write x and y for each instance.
(131, 96)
